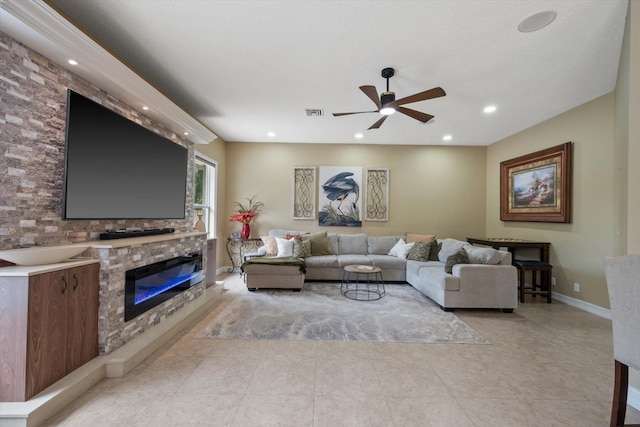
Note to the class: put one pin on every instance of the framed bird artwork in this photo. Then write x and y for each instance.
(339, 196)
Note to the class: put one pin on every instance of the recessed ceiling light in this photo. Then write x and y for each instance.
(447, 138)
(537, 21)
(186, 133)
(359, 135)
(489, 108)
(73, 62)
(271, 134)
(144, 107)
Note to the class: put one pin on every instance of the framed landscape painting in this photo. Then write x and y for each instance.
(537, 187)
(339, 198)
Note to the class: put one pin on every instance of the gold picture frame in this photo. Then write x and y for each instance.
(537, 187)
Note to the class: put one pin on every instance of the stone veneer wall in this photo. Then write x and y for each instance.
(113, 332)
(33, 96)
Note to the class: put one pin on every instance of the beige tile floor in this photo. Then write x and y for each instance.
(548, 365)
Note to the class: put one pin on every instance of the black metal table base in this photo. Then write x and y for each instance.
(362, 285)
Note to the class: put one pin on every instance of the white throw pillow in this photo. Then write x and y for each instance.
(285, 247)
(483, 255)
(401, 249)
(450, 247)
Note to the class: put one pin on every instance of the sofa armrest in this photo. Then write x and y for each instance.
(484, 285)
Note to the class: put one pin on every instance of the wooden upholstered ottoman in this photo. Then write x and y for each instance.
(273, 276)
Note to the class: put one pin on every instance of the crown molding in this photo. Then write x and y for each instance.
(43, 29)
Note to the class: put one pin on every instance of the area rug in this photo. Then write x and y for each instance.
(320, 312)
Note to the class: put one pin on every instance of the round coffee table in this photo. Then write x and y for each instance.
(362, 283)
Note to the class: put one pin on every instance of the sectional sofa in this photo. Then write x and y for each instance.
(485, 280)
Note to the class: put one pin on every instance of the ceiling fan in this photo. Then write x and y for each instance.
(387, 103)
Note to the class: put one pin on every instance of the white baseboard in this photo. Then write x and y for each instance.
(223, 270)
(583, 305)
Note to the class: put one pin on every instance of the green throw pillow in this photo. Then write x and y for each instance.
(301, 249)
(319, 243)
(420, 251)
(435, 250)
(459, 257)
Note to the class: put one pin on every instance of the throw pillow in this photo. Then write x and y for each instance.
(285, 247)
(270, 244)
(401, 249)
(319, 243)
(435, 251)
(483, 255)
(412, 237)
(459, 257)
(449, 247)
(420, 251)
(301, 249)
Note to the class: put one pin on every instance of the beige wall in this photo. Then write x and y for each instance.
(431, 188)
(577, 249)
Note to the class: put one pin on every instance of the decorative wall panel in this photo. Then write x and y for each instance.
(304, 193)
(376, 194)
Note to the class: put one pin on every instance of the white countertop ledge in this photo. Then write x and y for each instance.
(32, 270)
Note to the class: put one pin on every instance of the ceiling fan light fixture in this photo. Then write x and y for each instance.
(387, 111)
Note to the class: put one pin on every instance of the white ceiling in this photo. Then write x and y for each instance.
(246, 68)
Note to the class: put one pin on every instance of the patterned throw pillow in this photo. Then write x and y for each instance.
(420, 251)
(459, 257)
(301, 249)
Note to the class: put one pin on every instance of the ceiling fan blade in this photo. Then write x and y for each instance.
(436, 92)
(377, 124)
(418, 115)
(356, 112)
(372, 93)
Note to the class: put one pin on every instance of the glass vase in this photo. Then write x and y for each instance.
(246, 230)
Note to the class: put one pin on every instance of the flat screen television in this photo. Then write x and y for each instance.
(117, 169)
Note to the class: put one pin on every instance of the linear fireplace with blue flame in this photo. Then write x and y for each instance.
(151, 285)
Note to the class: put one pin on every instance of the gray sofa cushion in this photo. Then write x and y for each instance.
(437, 277)
(322, 261)
(353, 259)
(333, 243)
(388, 262)
(414, 267)
(381, 245)
(355, 244)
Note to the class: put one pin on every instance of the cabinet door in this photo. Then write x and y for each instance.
(82, 334)
(47, 330)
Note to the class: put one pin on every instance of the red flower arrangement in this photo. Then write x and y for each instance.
(243, 217)
(246, 213)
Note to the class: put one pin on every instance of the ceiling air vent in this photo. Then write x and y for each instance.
(314, 112)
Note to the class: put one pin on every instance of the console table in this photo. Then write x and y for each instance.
(513, 244)
(236, 248)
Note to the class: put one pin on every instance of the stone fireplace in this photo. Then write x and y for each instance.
(121, 255)
(151, 285)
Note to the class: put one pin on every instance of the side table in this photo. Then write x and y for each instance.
(236, 249)
(362, 283)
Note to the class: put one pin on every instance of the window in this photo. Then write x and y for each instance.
(204, 197)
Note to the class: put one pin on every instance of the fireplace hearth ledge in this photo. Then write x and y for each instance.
(115, 364)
